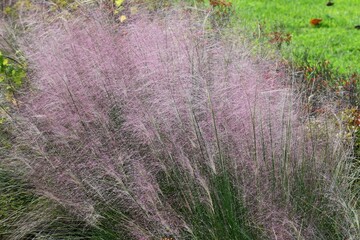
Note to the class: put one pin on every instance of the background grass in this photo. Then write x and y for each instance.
(335, 39)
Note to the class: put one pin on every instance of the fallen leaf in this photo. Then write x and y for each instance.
(315, 21)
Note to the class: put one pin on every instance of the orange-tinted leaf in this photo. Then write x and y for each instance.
(315, 21)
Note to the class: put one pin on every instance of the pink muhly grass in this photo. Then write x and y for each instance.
(114, 105)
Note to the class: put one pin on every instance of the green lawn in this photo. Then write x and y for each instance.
(336, 39)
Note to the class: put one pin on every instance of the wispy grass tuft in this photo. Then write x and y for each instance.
(161, 127)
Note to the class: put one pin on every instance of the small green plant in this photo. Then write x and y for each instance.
(12, 10)
(12, 74)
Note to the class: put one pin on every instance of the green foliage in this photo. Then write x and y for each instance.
(228, 219)
(308, 199)
(118, 3)
(12, 10)
(14, 200)
(216, 214)
(11, 77)
(22, 7)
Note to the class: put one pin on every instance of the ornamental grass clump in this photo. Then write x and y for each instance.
(162, 127)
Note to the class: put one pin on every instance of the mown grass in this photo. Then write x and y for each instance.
(336, 39)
